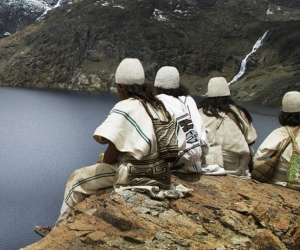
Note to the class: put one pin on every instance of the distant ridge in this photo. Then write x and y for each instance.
(78, 46)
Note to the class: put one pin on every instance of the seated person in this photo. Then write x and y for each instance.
(289, 118)
(132, 145)
(178, 102)
(230, 125)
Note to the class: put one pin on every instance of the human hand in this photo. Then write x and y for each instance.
(100, 159)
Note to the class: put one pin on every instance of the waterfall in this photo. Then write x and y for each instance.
(258, 43)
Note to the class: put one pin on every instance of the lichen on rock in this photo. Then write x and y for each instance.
(222, 212)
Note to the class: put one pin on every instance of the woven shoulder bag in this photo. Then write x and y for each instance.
(264, 172)
(165, 135)
(293, 172)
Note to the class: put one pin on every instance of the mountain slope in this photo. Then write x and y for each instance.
(79, 46)
(15, 15)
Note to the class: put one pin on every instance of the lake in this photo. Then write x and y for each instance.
(46, 135)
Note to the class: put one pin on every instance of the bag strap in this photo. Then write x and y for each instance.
(187, 106)
(183, 104)
(219, 124)
(214, 132)
(149, 113)
(279, 152)
(293, 136)
(147, 110)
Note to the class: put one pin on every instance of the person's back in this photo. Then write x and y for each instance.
(130, 128)
(230, 125)
(289, 118)
(177, 101)
(133, 157)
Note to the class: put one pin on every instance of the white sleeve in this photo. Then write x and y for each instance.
(268, 146)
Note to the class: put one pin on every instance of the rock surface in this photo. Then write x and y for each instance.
(79, 45)
(15, 15)
(221, 213)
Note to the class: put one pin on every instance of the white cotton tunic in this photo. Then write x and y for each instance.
(130, 129)
(174, 106)
(272, 143)
(196, 118)
(177, 106)
(234, 141)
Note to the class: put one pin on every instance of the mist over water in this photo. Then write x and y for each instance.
(46, 135)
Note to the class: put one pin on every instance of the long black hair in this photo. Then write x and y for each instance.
(289, 119)
(212, 106)
(144, 92)
(180, 91)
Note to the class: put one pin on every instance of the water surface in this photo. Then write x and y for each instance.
(46, 135)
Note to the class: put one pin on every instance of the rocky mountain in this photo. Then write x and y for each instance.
(221, 213)
(78, 46)
(15, 15)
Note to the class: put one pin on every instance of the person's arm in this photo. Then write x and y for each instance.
(111, 154)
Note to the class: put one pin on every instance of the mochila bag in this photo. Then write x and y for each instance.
(264, 172)
(165, 135)
(215, 153)
(293, 171)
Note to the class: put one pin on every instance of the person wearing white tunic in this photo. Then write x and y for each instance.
(289, 119)
(229, 124)
(178, 102)
(132, 157)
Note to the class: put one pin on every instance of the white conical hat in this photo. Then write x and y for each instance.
(130, 71)
(217, 86)
(167, 77)
(291, 102)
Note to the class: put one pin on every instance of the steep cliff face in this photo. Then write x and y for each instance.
(79, 46)
(221, 213)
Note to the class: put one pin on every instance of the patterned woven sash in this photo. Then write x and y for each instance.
(153, 170)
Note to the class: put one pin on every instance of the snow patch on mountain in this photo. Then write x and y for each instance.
(15, 15)
(158, 15)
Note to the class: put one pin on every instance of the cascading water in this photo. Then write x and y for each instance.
(258, 43)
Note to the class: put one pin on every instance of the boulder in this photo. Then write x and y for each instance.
(222, 212)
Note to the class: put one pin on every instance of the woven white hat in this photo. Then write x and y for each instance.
(217, 86)
(167, 77)
(130, 71)
(291, 102)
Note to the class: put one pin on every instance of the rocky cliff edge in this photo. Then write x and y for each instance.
(221, 213)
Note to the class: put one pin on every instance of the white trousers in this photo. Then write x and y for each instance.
(84, 182)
